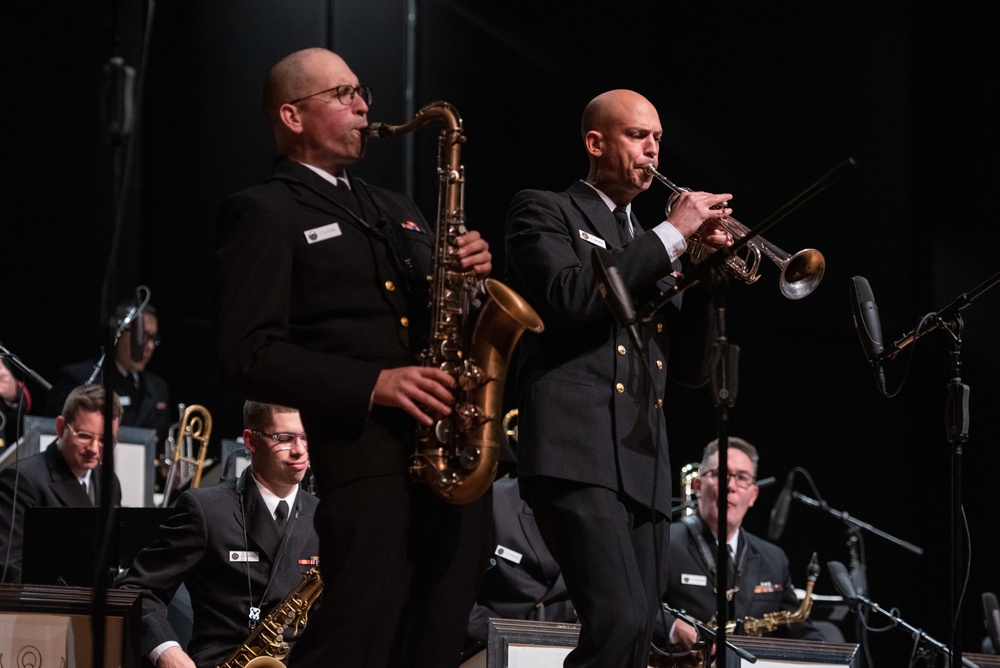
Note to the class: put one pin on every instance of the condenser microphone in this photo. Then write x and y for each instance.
(138, 334)
(616, 294)
(779, 513)
(842, 580)
(868, 324)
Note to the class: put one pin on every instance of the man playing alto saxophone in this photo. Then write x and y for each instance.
(240, 547)
(759, 575)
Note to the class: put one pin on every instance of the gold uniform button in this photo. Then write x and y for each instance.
(390, 286)
(659, 365)
(659, 402)
(619, 388)
(621, 350)
(659, 327)
(404, 322)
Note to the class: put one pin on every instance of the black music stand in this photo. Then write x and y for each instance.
(59, 546)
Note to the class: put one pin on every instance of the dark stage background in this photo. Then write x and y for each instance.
(757, 100)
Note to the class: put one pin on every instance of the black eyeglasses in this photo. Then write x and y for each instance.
(743, 479)
(284, 439)
(345, 93)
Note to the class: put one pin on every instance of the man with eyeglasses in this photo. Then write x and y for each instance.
(322, 298)
(144, 395)
(759, 577)
(66, 474)
(240, 547)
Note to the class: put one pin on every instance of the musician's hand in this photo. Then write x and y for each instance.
(691, 209)
(474, 253)
(715, 234)
(174, 657)
(415, 389)
(683, 635)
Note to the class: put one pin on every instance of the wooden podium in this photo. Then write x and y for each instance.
(51, 626)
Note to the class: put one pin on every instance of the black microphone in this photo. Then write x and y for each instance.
(842, 580)
(615, 294)
(868, 324)
(779, 513)
(991, 616)
(138, 332)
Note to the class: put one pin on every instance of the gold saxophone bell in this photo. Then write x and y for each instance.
(800, 273)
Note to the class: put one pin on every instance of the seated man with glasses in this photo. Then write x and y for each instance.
(144, 395)
(66, 474)
(759, 579)
(240, 547)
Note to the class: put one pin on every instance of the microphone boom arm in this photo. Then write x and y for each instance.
(855, 523)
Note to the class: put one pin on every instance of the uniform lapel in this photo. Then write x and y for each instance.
(260, 526)
(65, 486)
(599, 217)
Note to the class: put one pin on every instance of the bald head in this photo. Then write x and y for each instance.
(621, 131)
(613, 108)
(295, 76)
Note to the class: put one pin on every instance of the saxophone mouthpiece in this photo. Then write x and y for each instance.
(378, 130)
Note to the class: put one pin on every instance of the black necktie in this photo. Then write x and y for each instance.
(624, 228)
(281, 512)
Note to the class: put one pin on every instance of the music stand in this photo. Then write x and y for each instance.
(59, 545)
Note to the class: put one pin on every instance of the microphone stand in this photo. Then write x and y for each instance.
(24, 368)
(724, 362)
(957, 428)
(701, 271)
(708, 636)
(854, 523)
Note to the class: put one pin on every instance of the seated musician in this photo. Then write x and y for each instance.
(240, 547)
(759, 577)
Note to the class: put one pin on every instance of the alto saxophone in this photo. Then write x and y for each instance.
(265, 647)
(769, 622)
(457, 457)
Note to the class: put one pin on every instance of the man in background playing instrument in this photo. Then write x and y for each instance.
(592, 446)
(322, 304)
(241, 544)
(760, 577)
(67, 474)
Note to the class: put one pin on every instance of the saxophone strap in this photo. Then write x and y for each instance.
(288, 526)
(696, 527)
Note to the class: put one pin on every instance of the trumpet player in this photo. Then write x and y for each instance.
(322, 296)
(759, 578)
(592, 446)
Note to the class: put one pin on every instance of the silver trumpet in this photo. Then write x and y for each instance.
(800, 273)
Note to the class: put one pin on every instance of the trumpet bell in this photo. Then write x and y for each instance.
(801, 273)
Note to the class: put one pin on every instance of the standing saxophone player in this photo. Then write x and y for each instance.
(322, 305)
(242, 543)
(759, 576)
(592, 457)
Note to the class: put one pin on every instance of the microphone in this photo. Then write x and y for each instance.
(779, 513)
(138, 333)
(868, 324)
(991, 615)
(615, 294)
(842, 580)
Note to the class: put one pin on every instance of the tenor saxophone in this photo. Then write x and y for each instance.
(266, 646)
(457, 457)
